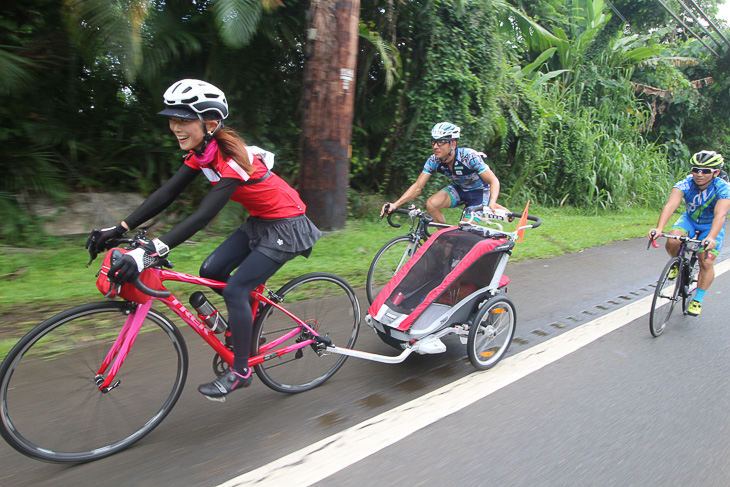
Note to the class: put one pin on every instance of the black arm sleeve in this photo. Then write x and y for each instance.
(162, 198)
(208, 209)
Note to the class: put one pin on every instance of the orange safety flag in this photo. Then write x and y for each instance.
(522, 223)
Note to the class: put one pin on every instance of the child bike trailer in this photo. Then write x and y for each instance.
(454, 284)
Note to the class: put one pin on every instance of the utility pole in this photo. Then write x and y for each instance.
(327, 106)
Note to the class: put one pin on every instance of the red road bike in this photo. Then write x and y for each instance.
(72, 390)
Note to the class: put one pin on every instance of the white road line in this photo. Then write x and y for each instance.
(330, 455)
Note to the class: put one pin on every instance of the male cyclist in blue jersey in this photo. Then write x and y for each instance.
(474, 183)
(707, 198)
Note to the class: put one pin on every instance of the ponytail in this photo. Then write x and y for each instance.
(232, 146)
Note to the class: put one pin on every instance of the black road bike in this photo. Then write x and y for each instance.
(677, 282)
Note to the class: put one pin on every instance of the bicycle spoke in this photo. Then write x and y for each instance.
(491, 333)
(389, 259)
(52, 409)
(323, 300)
(666, 296)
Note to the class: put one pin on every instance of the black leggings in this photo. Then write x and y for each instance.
(254, 268)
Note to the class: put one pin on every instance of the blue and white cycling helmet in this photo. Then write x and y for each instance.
(445, 130)
(195, 99)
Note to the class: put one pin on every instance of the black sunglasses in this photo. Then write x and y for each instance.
(440, 142)
(702, 170)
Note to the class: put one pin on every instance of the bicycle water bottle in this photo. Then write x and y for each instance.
(208, 313)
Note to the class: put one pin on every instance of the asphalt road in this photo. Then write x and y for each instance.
(626, 409)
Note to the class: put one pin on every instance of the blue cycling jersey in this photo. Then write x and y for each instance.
(701, 204)
(467, 167)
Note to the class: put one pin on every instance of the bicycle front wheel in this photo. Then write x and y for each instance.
(389, 259)
(491, 333)
(51, 408)
(325, 302)
(691, 284)
(665, 297)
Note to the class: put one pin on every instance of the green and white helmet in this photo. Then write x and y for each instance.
(707, 158)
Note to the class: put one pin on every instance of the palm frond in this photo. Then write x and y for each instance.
(16, 71)
(389, 54)
(237, 20)
(116, 25)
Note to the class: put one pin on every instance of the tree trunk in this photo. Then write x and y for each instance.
(327, 110)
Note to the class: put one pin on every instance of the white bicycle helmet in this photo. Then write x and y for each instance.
(445, 130)
(192, 98)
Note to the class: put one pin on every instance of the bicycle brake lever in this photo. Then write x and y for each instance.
(385, 212)
(93, 254)
(91, 245)
(652, 241)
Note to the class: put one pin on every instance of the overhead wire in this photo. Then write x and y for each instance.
(697, 21)
(689, 31)
(712, 24)
(623, 19)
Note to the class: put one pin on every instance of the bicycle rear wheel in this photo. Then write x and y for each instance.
(328, 304)
(51, 408)
(389, 259)
(665, 297)
(491, 333)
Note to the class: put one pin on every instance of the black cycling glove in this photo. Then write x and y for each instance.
(98, 238)
(129, 267)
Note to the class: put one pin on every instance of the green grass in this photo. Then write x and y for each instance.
(58, 273)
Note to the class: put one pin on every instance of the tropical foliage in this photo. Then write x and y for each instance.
(579, 102)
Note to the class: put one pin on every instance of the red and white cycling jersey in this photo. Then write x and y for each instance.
(271, 197)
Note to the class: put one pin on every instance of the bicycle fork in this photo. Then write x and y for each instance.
(121, 347)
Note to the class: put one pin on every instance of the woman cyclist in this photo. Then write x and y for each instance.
(276, 231)
(707, 198)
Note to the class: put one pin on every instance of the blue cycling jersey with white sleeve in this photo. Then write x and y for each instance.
(701, 204)
(468, 164)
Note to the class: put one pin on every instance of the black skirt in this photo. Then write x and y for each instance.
(282, 239)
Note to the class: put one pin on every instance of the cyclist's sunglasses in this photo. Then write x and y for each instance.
(702, 170)
(440, 142)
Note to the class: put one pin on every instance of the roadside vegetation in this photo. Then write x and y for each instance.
(584, 103)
